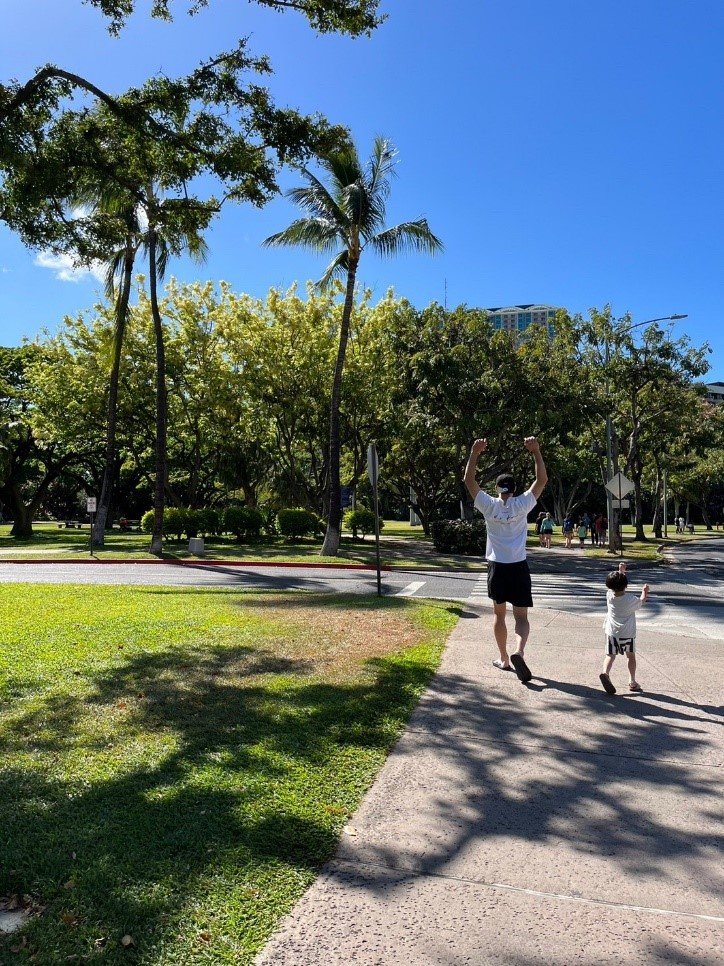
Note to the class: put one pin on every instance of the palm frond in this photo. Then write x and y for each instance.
(315, 233)
(114, 268)
(317, 200)
(344, 167)
(197, 248)
(337, 268)
(381, 167)
(407, 236)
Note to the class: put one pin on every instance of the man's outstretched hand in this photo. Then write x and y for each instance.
(479, 446)
(531, 444)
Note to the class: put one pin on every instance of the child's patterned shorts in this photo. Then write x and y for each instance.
(620, 645)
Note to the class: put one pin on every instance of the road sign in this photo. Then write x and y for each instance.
(620, 485)
(91, 504)
(621, 504)
(372, 464)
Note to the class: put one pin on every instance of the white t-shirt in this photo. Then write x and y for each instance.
(507, 523)
(621, 614)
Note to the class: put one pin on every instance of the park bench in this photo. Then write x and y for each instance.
(70, 524)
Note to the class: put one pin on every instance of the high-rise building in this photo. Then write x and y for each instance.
(517, 318)
(715, 392)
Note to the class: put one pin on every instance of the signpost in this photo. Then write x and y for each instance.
(91, 508)
(620, 486)
(373, 473)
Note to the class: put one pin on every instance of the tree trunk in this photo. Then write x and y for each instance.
(330, 545)
(705, 515)
(161, 403)
(119, 331)
(658, 506)
(22, 528)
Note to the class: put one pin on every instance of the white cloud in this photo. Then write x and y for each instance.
(66, 270)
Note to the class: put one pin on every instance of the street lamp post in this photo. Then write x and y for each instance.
(609, 429)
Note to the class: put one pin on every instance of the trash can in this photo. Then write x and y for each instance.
(196, 546)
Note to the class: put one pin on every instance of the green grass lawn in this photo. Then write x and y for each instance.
(175, 765)
(402, 546)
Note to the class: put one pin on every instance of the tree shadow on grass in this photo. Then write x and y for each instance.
(233, 769)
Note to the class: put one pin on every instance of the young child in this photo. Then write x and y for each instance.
(582, 532)
(620, 626)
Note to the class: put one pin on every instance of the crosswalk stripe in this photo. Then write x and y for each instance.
(411, 588)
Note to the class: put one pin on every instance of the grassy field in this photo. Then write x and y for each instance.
(175, 765)
(401, 546)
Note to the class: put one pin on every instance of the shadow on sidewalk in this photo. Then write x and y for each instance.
(483, 781)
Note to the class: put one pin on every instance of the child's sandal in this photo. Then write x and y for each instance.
(635, 687)
(607, 683)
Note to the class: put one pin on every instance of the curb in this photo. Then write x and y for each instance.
(195, 563)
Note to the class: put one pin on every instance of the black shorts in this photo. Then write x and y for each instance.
(510, 582)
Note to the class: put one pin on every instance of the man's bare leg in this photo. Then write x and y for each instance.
(522, 628)
(500, 630)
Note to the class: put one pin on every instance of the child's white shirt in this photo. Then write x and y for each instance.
(621, 614)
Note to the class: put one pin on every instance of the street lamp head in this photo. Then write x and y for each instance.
(675, 317)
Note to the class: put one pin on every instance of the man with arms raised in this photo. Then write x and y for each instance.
(506, 518)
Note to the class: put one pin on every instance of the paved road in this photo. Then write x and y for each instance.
(687, 597)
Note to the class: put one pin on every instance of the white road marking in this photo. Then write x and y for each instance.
(411, 588)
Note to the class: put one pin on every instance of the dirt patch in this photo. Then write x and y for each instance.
(339, 639)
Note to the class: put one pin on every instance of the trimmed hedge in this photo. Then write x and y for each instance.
(361, 520)
(459, 536)
(178, 521)
(245, 522)
(298, 523)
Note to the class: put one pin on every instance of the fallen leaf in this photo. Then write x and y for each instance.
(204, 937)
(127, 941)
(121, 704)
(69, 884)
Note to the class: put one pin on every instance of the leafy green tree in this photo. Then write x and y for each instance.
(284, 346)
(353, 17)
(349, 214)
(29, 464)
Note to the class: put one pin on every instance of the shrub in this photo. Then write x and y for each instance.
(361, 520)
(298, 523)
(269, 516)
(194, 522)
(174, 521)
(147, 522)
(459, 536)
(210, 521)
(244, 522)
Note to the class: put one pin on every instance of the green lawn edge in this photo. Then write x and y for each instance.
(144, 831)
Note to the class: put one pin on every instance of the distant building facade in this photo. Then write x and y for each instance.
(715, 392)
(517, 318)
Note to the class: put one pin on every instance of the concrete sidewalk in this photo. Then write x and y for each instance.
(546, 823)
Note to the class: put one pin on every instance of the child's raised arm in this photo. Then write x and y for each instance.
(645, 593)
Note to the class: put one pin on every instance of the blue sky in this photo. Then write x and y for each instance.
(565, 152)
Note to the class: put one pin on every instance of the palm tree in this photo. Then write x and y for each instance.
(349, 214)
(116, 205)
(171, 230)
